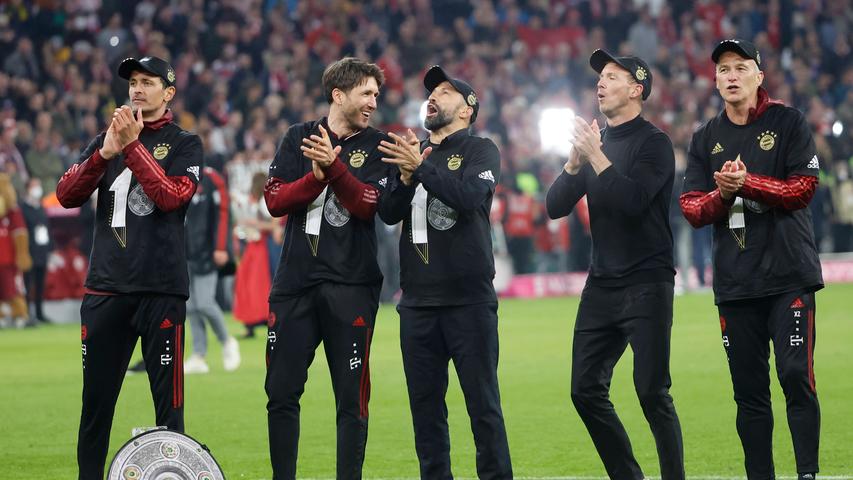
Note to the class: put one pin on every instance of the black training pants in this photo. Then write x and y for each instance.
(342, 317)
(607, 321)
(748, 327)
(110, 326)
(468, 334)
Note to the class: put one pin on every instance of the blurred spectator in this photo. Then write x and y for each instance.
(253, 279)
(11, 161)
(250, 69)
(43, 162)
(208, 222)
(40, 247)
(14, 257)
(842, 202)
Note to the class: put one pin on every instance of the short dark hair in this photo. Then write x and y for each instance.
(348, 73)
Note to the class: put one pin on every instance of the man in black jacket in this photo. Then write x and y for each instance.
(443, 194)
(208, 238)
(626, 171)
(752, 171)
(327, 177)
(40, 247)
(145, 169)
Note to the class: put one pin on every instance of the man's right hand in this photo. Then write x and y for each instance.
(111, 147)
(574, 163)
(220, 257)
(730, 178)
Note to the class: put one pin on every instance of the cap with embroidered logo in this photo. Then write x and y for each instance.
(741, 47)
(435, 75)
(152, 65)
(638, 68)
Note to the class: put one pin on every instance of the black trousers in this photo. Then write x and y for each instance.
(748, 327)
(468, 334)
(34, 280)
(342, 317)
(607, 321)
(110, 327)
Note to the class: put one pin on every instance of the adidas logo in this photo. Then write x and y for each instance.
(487, 175)
(359, 322)
(195, 171)
(798, 303)
(717, 149)
(813, 163)
(166, 324)
(383, 182)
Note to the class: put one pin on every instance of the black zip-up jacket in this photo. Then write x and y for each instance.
(208, 223)
(143, 193)
(344, 207)
(455, 266)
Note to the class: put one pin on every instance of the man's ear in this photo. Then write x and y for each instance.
(170, 94)
(638, 91)
(337, 96)
(466, 112)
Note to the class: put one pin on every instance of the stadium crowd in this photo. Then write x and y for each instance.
(247, 69)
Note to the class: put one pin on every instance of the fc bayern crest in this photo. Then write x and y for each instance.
(335, 213)
(139, 203)
(440, 216)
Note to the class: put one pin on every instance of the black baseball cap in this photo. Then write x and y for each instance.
(635, 65)
(741, 47)
(153, 65)
(435, 75)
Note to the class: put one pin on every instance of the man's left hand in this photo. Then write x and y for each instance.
(730, 178)
(586, 138)
(126, 125)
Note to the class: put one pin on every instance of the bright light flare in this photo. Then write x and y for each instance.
(555, 130)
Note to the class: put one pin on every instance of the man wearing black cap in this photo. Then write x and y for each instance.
(626, 171)
(328, 177)
(443, 194)
(145, 169)
(752, 171)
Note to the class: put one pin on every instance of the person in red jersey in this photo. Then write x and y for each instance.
(752, 171)
(145, 169)
(15, 258)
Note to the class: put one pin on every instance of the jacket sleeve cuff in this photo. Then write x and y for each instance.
(335, 170)
(423, 170)
(129, 148)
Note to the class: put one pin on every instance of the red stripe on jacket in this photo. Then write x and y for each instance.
(224, 206)
(77, 184)
(283, 198)
(793, 193)
(168, 193)
(704, 208)
(358, 198)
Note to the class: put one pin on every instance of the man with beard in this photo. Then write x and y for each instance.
(145, 168)
(327, 177)
(443, 194)
(626, 170)
(752, 171)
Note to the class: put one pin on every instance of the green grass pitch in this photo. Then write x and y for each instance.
(40, 385)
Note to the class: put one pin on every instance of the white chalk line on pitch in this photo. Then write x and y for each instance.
(689, 477)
